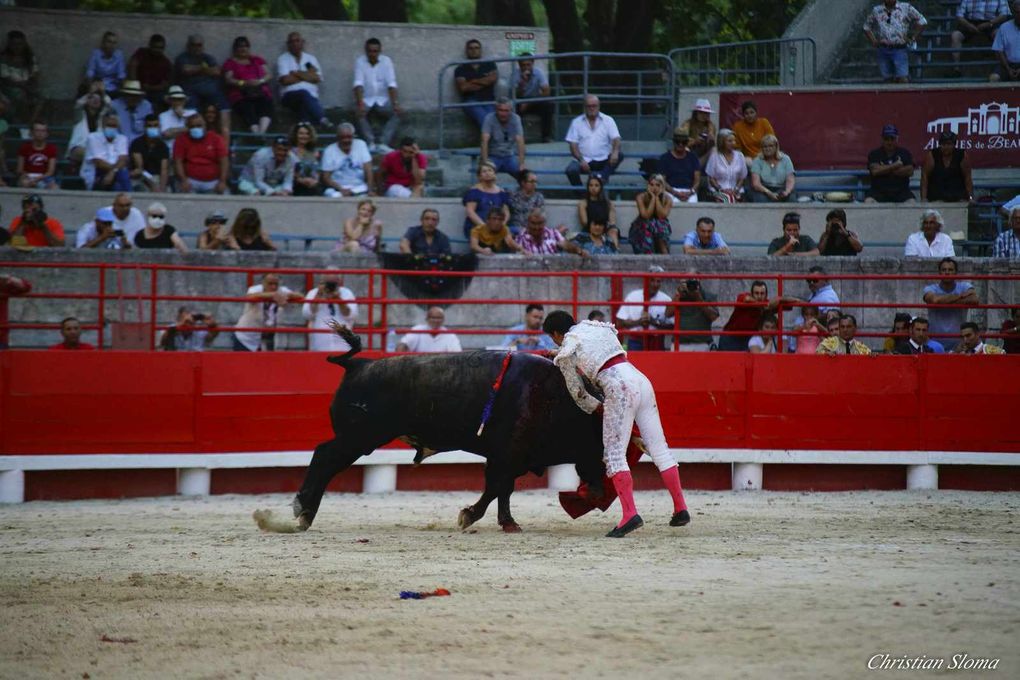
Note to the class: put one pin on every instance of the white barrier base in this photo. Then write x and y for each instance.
(194, 481)
(379, 479)
(747, 476)
(12, 486)
(922, 476)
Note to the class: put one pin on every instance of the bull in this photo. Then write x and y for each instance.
(436, 403)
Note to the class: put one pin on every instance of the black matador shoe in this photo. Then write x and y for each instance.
(680, 519)
(633, 523)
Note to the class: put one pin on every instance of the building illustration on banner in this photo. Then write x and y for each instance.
(986, 120)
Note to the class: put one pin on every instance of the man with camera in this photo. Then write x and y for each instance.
(33, 227)
(328, 301)
(193, 332)
(694, 317)
(652, 317)
(837, 240)
(102, 232)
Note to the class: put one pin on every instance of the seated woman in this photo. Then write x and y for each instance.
(700, 130)
(650, 232)
(246, 76)
(362, 233)
(483, 196)
(764, 343)
(773, 177)
(157, 233)
(726, 170)
(19, 78)
(493, 237)
(596, 206)
(247, 233)
(900, 330)
(524, 200)
(215, 236)
(93, 104)
(307, 164)
(594, 240)
(808, 332)
(750, 129)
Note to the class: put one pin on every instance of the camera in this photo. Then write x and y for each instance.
(118, 232)
(692, 284)
(331, 286)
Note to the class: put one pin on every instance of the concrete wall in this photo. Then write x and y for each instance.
(833, 24)
(488, 313)
(748, 226)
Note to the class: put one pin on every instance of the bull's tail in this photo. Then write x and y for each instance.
(350, 337)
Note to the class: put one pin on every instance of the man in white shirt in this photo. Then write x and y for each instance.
(106, 158)
(174, 120)
(375, 92)
(436, 340)
(300, 75)
(335, 304)
(594, 142)
(347, 165)
(262, 311)
(633, 315)
(930, 241)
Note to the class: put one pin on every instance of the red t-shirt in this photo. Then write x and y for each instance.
(744, 318)
(81, 345)
(153, 68)
(201, 156)
(34, 235)
(37, 161)
(393, 165)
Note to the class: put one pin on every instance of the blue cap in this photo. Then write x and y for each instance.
(890, 131)
(105, 214)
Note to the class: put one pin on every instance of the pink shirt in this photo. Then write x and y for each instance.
(255, 69)
(729, 175)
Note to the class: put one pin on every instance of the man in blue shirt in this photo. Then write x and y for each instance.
(425, 239)
(945, 322)
(704, 240)
(534, 315)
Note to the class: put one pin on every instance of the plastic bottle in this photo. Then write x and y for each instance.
(391, 340)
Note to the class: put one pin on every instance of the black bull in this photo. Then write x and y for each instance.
(435, 401)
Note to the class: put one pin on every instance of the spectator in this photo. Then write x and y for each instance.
(891, 168)
(304, 144)
(971, 342)
(192, 332)
(215, 236)
(681, 169)
(199, 75)
(106, 158)
(246, 76)
(528, 81)
(1011, 329)
(597, 207)
(404, 170)
(151, 68)
(476, 82)
(650, 232)
(524, 200)
(262, 311)
(807, 332)
(174, 121)
(945, 323)
(528, 336)
(37, 160)
(917, 342)
(597, 315)
(93, 106)
(832, 322)
(106, 64)
(347, 165)
(131, 108)
(328, 301)
(726, 170)
(765, 341)
(70, 331)
(300, 76)
(700, 130)
(595, 239)
(201, 162)
(900, 330)
(376, 94)
(977, 22)
(269, 171)
(844, 343)
(822, 293)
(150, 159)
(363, 232)
(892, 28)
(538, 239)
(929, 241)
(945, 172)
(791, 242)
(704, 240)
(493, 237)
(594, 142)
(33, 227)
(102, 232)
(157, 233)
(694, 316)
(126, 217)
(19, 77)
(425, 239)
(484, 196)
(1007, 47)
(773, 177)
(503, 139)
(1008, 242)
(633, 315)
(837, 240)
(214, 120)
(747, 316)
(246, 233)
(750, 130)
(437, 339)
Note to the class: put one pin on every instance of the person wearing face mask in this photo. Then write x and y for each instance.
(201, 163)
(106, 158)
(150, 158)
(174, 120)
(157, 233)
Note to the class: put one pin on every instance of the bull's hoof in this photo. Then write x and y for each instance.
(510, 527)
(270, 522)
(466, 518)
(680, 519)
(633, 523)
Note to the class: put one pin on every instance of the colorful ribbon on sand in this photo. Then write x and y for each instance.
(415, 595)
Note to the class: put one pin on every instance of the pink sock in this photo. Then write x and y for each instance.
(624, 485)
(671, 478)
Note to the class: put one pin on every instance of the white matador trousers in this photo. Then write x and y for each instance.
(629, 398)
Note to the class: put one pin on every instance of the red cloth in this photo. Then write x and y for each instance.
(393, 165)
(201, 156)
(578, 503)
(34, 235)
(37, 161)
(81, 345)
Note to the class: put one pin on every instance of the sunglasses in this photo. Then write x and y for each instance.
(156, 215)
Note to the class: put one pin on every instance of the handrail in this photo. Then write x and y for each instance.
(780, 61)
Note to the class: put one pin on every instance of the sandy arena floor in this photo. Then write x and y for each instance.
(763, 585)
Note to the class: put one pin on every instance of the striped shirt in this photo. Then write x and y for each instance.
(1007, 245)
(982, 10)
(548, 243)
